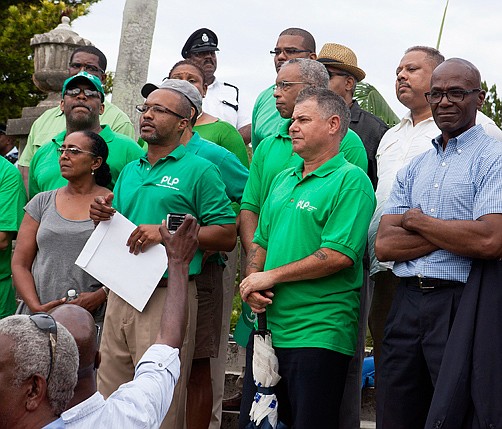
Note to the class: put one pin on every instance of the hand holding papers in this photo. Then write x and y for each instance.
(106, 257)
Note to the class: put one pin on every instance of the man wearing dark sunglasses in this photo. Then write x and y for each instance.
(52, 121)
(82, 104)
(38, 371)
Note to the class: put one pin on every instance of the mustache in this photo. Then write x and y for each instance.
(143, 123)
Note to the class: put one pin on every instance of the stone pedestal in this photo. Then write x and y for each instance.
(52, 52)
(20, 127)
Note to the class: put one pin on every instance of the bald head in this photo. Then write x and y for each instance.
(456, 83)
(81, 325)
(461, 68)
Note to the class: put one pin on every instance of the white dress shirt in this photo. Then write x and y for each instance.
(141, 403)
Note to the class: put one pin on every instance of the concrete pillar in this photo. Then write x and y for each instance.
(138, 25)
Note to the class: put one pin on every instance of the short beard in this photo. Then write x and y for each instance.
(152, 139)
(81, 123)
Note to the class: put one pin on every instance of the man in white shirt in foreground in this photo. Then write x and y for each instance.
(143, 402)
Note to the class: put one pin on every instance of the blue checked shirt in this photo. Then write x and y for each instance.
(463, 182)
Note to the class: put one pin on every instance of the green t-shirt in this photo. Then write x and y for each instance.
(45, 174)
(266, 118)
(275, 154)
(12, 201)
(331, 207)
(233, 173)
(181, 182)
(224, 134)
(53, 122)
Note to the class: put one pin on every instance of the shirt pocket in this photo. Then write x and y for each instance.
(458, 201)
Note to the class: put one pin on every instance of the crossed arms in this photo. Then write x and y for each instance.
(415, 234)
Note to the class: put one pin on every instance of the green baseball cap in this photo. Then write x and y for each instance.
(83, 76)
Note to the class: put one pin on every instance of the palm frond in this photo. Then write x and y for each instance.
(442, 25)
(371, 100)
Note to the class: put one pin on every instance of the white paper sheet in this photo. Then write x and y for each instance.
(106, 257)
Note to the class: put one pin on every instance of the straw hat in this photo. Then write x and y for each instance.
(342, 58)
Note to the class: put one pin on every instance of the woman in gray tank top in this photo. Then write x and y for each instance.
(55, 228)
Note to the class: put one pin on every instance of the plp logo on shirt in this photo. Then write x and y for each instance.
(305, 205)
(169, 182)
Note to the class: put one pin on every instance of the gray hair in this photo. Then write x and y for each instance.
(329, 104)
(311, 71)
(32, 356)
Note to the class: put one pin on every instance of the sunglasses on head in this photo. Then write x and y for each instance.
(46, 323)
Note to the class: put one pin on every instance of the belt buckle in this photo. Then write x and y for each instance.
(421, 284)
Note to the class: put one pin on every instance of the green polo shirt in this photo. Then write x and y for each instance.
(224, 134)
(331, 207)
(233, 173)
(53, 121)
(275, 154)
(45, 174)
(181, 182)
(266, 118)
(12, 201)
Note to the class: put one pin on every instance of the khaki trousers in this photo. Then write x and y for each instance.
(128, 333)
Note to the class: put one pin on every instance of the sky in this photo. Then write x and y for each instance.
(377, 31)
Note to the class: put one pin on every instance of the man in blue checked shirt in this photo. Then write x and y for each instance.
(445, 209)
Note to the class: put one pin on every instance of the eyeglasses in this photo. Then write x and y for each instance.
(73, 151)
(87, 67)
(284, 85)
(143, 108)
(289, 52)
(46, 323)
(453, 95)
(73, 92)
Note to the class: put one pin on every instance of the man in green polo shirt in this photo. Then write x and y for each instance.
(52, 121)
(82, 113)
(275, 153)
(292, 43)
(309, 268)
(168, 179)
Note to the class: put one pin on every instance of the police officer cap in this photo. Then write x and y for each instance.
(201, 40)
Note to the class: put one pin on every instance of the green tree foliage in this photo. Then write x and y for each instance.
(492, 106)
(19, 22)
(371, 100)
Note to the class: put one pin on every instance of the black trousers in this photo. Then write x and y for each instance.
(415, 336)
(311, 388)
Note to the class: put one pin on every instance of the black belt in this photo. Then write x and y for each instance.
(163, 281)
(430, 283)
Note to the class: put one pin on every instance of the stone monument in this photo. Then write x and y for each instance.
(138, 25)
(51, 59)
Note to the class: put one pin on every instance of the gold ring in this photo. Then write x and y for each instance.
(140, 242)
